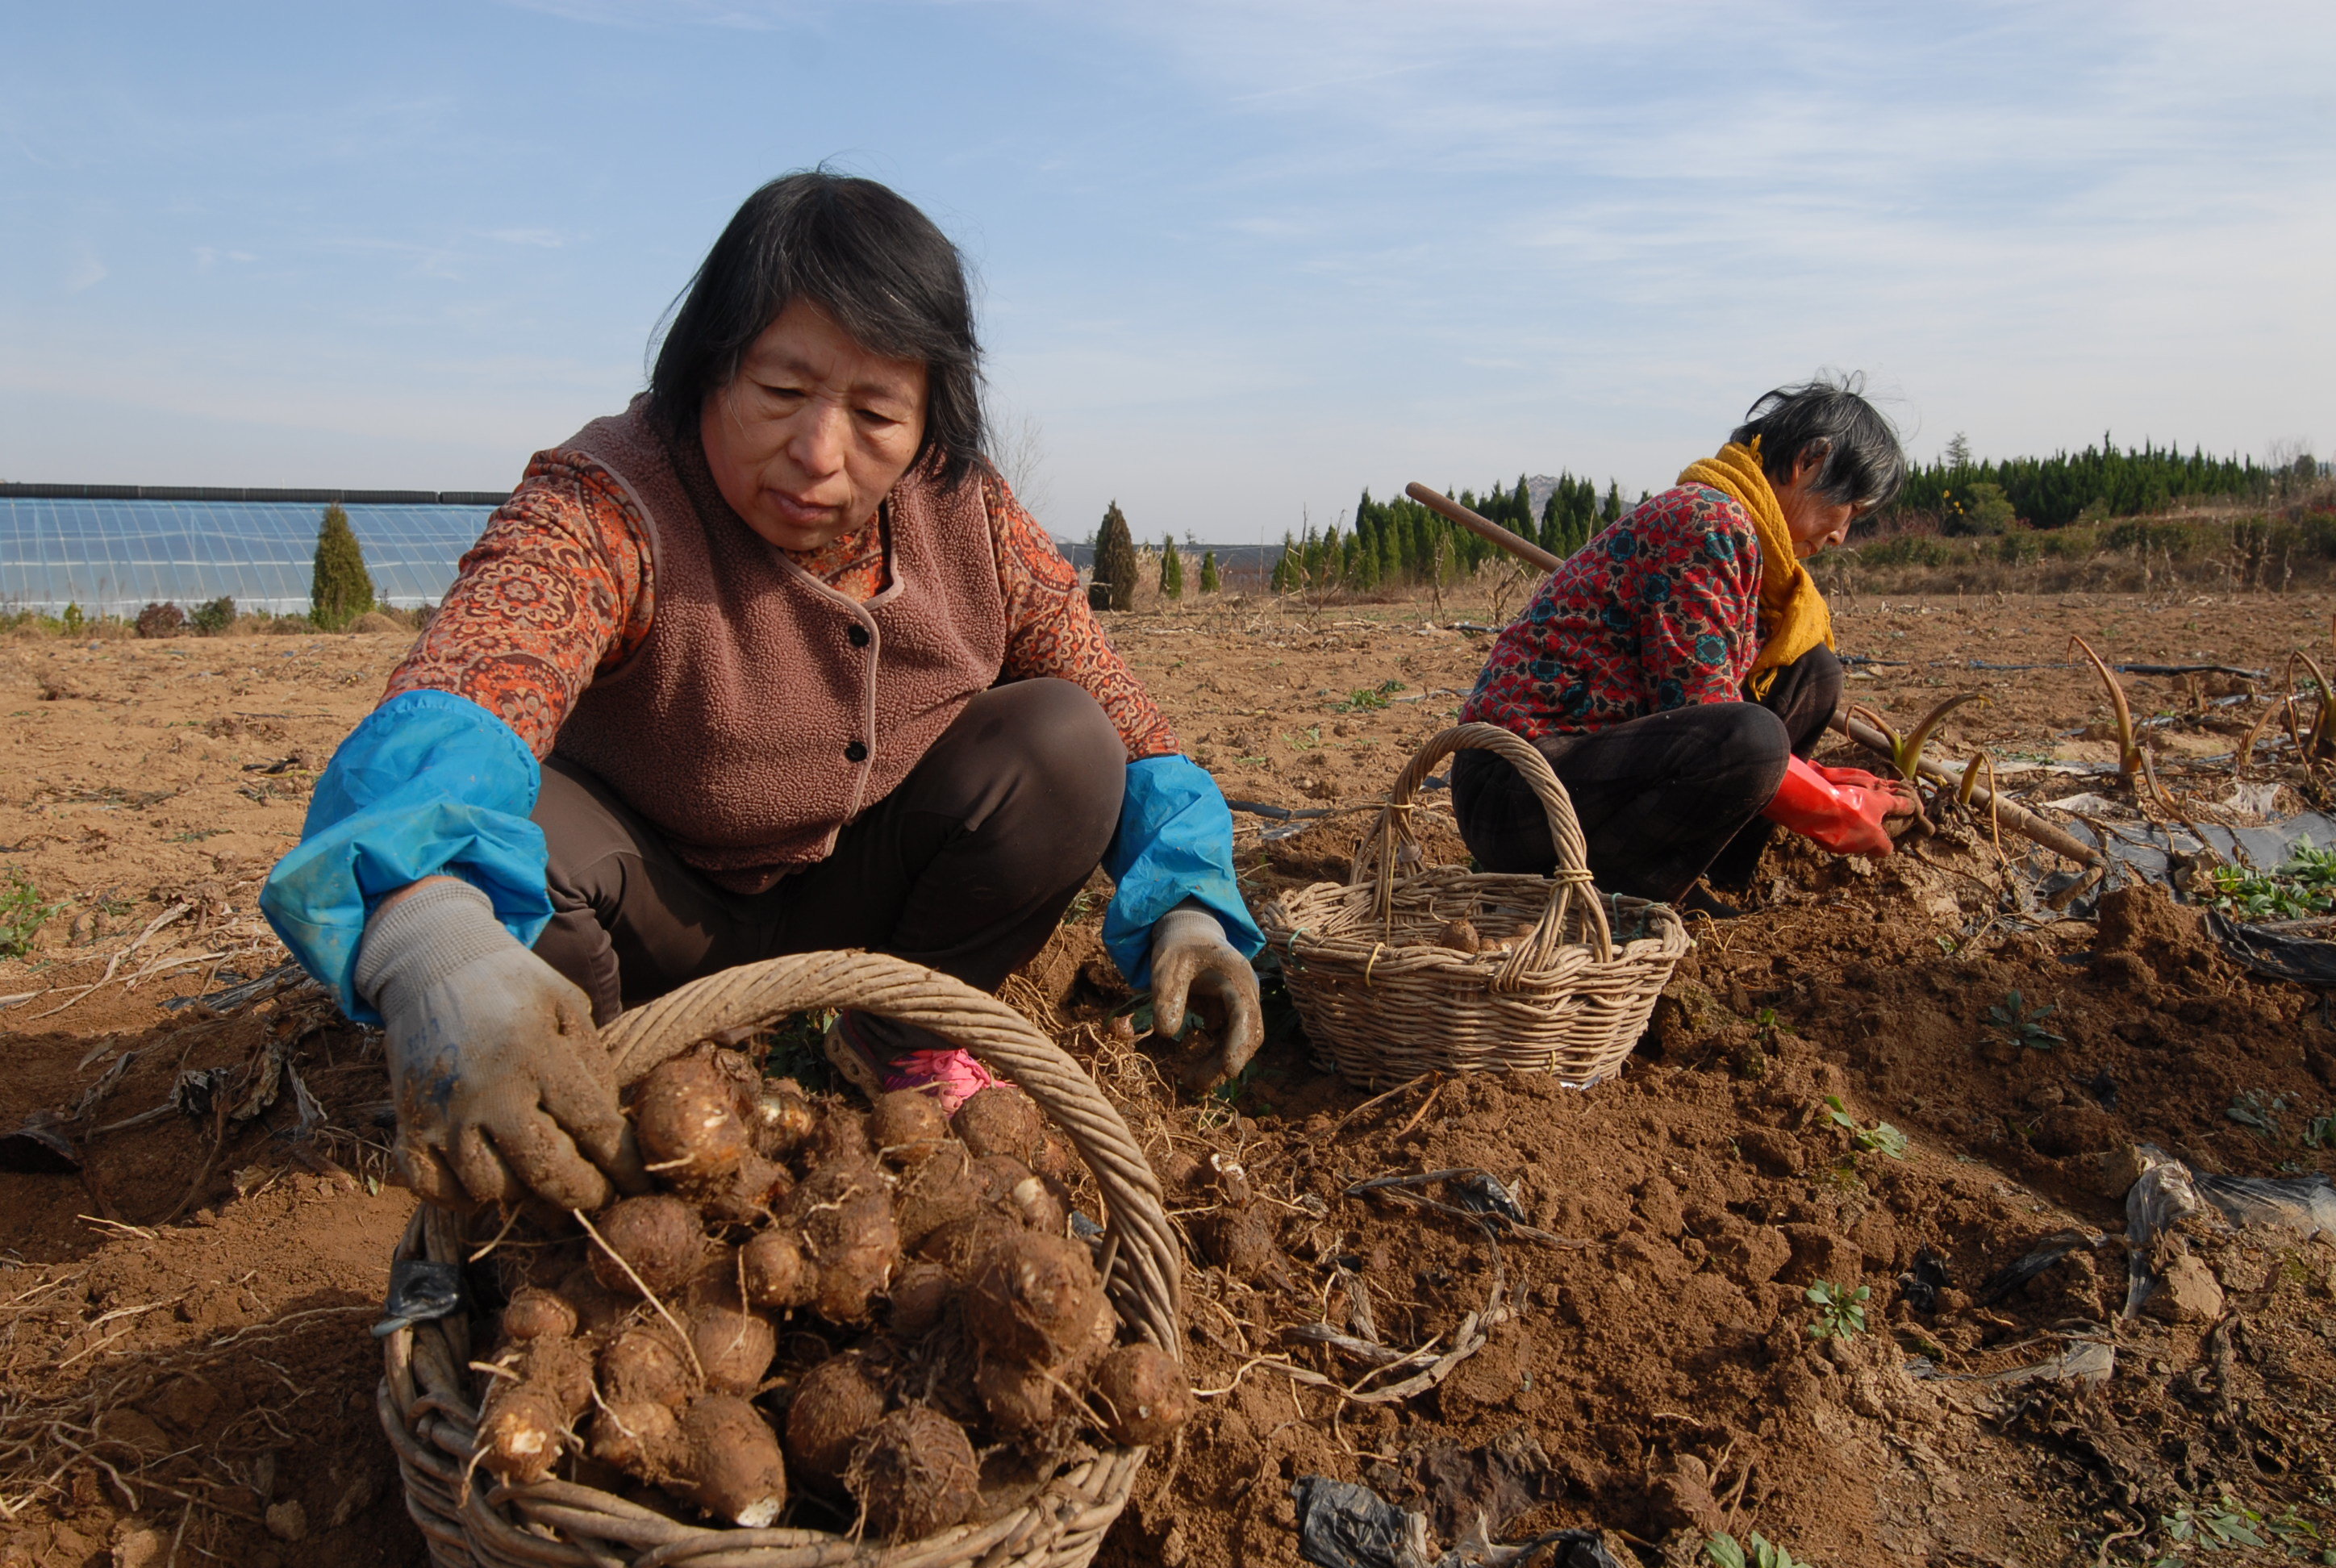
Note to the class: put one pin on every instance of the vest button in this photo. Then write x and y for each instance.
(859, 635)
(856, 752)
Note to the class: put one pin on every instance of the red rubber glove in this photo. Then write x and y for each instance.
(1844, 817)
(1857, 777)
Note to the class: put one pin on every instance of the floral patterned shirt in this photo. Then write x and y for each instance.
(561, 589)
(1661, 610)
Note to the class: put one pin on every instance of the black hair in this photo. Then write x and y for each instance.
(877, 266)
(1863, 464)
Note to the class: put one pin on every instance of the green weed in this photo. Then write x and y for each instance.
(1759, 1552)
(1367, 698)
(2304, 887)
(795, 1048)
(2021, 1026)
(1881, 1138)
(22, 914)
(1841, 1314)
(2259, 1109)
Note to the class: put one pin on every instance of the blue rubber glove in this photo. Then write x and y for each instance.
(430, 784)
(1175, 845)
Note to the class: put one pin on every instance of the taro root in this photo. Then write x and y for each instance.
(776, 1273)
(1241, 1240)
(835, 1402)
(840, 1139)
(921, 1293)
(779, 1120)
(849, 1235)
(598, 1309)
(936, 1192)
(1019, 1399)
(640, 1438)
(1460, 935)
(994, 1178)
(1040, 1206)
(749, 1194)
(1001, 1120)
(914, 1474)
(1035, 1299)
(644, 1364)
(1057, 1158)
(734, 1348)
(521, 1432)
(563, 1369)
(963, 1246)
(686, 1118)
(907, 1127)
(1143, 1395)
(536, 1313)
(732, 1466)
(658, 1236)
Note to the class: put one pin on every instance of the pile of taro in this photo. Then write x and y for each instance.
(877, 1321)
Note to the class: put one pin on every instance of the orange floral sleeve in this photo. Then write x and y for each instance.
(1052, 632)
(556, 590)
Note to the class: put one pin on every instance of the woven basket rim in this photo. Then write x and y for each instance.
(1283, 932)
(1135, 1273)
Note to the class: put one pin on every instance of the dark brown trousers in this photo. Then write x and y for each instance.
(966, 868)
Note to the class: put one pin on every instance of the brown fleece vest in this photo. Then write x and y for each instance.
(765, 710)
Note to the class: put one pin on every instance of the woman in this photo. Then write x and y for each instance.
(771, 662)
(1677, 670)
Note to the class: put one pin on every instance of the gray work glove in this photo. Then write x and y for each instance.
(1194, 969)
(501, 1085)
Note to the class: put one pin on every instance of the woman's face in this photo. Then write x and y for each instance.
(1815, 521)
(813, 432)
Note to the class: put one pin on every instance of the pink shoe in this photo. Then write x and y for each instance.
(952, 1077)
(951, 1074)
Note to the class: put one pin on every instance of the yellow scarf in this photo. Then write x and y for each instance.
(1793, 614)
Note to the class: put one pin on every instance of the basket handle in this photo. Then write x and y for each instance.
(1383, 847)
(1141, 1258)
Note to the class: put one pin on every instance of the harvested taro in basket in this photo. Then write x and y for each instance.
(826, 1318)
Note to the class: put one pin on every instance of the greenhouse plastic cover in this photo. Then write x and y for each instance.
(113, 556)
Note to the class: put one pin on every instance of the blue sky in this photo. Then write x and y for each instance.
(1236, 261)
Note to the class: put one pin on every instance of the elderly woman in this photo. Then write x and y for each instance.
(1677, 670)
(769, 662)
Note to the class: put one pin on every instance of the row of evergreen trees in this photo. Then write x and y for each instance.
(1964, 495)
(1400, 542)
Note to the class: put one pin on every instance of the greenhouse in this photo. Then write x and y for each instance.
(112, 550)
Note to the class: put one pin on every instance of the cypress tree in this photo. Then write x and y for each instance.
(342, 589)
(1285, 566)
(1171, 570)
(1116, 565)
(1210, 582)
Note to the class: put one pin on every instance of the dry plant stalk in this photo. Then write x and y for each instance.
(2319, 740)
(2128, 748)
(2240, 758)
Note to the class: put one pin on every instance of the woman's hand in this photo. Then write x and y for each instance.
(1194, 969)
(501, 1085)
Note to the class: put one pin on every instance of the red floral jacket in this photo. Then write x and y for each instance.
(1661, 610)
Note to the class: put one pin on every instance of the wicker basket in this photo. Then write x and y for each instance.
(425, 1400)
(1384, 999)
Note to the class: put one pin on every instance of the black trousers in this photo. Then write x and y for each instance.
(1662, 800)
(965, 868)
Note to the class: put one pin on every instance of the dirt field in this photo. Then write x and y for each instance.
(184, 1369)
